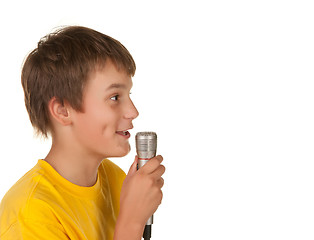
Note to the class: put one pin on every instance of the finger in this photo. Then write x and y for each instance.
(160, 158)
(133, 167)
(152, 164)
(158, 172)
(160, 182)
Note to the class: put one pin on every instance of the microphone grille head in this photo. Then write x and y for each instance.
(146, 144)
(146, 135)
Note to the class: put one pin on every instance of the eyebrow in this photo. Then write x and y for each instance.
(116, 85)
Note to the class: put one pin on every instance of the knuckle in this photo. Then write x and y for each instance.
(158, 191)
(162, 182)
(150, 181)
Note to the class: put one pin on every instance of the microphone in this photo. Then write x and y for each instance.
(146, 146)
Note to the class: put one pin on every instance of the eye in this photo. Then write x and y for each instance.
(115, 98)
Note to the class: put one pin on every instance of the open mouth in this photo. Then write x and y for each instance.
(124, 133)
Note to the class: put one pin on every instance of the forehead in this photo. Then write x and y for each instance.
(108, 77)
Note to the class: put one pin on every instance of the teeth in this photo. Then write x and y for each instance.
(124, 132)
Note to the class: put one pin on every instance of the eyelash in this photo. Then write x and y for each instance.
(116, 97)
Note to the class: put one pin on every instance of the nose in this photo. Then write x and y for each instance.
(131, 112)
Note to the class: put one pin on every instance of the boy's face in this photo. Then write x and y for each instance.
(108, 111)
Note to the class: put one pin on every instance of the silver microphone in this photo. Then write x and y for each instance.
(146, 146)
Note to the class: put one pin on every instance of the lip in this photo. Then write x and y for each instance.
(124, 133)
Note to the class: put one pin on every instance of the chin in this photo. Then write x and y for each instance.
(121, 152)
(126, 152)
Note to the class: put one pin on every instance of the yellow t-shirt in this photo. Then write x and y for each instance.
(44, 205)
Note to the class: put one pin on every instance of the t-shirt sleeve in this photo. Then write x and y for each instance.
(34, 230)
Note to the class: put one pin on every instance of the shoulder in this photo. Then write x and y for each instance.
(23, 190)
(22, 201)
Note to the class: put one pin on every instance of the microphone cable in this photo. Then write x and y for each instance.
(147, 232)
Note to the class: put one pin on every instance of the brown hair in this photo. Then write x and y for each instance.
(60, 66)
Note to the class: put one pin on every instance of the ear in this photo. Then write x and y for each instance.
(59, 111)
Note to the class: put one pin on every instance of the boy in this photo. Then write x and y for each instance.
(76, 85)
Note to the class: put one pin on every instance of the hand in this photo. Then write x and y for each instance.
(141, 192)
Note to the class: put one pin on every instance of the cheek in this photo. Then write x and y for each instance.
(100, 122)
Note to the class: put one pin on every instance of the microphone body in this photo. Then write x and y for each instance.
(146, 146)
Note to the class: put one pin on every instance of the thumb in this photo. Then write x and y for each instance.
(133, 167)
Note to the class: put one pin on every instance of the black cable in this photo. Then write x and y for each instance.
(147, 232)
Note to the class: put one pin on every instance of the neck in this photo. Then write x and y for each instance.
(72, 164)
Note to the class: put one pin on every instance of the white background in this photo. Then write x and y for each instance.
(228, 87)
